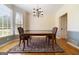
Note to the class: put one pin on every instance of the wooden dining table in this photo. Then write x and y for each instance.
(40, 33)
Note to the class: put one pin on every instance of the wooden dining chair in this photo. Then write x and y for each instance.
(23, 37)
(54, 31)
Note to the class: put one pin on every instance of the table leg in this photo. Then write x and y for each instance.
(53, 44)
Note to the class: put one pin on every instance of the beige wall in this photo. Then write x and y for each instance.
(45, 22)
(73, 16)
(26, 21)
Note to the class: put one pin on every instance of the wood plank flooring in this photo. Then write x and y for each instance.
(69, 50)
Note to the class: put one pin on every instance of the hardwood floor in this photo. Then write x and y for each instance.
(8, 46)
(69, 50)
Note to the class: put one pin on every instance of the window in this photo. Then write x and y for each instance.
(5, 21)
(18, 21)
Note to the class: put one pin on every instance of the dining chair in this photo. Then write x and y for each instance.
(23, 37)
(54, 31)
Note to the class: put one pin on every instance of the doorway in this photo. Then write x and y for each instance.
(63, 26)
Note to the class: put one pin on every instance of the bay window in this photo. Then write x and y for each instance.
(7, 27)
(5, 21)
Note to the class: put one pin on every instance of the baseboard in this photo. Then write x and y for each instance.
(73, 45)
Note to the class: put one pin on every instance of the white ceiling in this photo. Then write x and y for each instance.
(47, 8)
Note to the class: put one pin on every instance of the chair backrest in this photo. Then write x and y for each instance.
(20, 30)
(55, 30)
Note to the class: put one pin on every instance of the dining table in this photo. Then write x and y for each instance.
(40, 33)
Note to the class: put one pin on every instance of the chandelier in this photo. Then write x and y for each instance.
(37, 12)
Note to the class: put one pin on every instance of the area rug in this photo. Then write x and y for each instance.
(37, 45)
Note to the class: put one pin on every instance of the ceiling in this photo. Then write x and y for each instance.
(47, 8)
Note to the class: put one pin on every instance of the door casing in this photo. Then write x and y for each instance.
(63, 26)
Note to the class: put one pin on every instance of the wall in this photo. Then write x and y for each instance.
(26, 21)
(73, 22)
(45, 22)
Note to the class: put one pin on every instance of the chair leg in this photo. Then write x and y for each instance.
(19, 42)
(53, 44)
(55, 41)
(23, 45)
